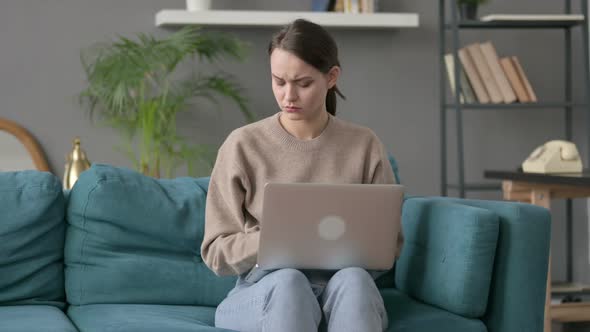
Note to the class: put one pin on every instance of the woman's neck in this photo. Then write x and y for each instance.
(306, 129)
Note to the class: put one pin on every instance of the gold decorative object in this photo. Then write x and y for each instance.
(76, 163)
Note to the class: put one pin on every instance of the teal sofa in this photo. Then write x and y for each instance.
(120, 252)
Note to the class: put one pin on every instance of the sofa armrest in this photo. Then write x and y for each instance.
(517, 294)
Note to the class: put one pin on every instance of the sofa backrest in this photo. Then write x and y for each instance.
(395, 169)
(32, 228)
(136, 239)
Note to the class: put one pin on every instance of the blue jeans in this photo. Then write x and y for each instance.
(284, 300)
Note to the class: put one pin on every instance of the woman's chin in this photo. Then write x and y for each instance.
(294, 115)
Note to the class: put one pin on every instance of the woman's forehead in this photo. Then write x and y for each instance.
(287, 65)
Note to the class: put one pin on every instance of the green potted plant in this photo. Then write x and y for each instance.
(133, 87)
(468, 8)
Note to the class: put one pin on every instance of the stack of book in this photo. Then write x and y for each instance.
(346, 6)
(487, 78)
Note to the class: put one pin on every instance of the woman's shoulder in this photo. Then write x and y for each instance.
(248, 134)
(362, 139)
(355, 130)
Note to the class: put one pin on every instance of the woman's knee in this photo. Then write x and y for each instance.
(291, 289)
(353, 276)
(290, 281)
(289, 276)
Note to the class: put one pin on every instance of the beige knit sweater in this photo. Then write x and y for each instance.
(264, 152)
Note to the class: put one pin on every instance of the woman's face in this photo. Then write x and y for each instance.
(299, 88)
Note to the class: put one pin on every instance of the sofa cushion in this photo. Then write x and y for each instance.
(142, 318)
(32, 230)
(448, 255)
(136, 239)
(517, 293)
(408, 315)
(26, 318)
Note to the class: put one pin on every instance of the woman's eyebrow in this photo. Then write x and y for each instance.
(295, 80)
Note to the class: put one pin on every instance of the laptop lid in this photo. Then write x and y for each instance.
(329, 226)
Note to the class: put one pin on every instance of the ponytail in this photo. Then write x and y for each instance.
(331, 99)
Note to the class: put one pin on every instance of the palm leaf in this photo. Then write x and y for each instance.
(130, 88)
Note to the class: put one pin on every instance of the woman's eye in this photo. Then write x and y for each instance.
(305, 84)
(280, 83)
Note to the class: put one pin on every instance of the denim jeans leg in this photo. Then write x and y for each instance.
(281, 301)
(352, 303)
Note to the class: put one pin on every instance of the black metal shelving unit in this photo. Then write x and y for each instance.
(454, 25)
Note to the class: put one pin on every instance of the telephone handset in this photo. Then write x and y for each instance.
(554, 157)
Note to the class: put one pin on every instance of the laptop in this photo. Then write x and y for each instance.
(328, 226)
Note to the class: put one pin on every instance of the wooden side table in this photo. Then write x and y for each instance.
(539, 189)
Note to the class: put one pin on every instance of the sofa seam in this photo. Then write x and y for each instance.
(84, 218)
(46, 188)
(470, 248)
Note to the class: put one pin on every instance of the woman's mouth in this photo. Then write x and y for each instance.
(292, 109)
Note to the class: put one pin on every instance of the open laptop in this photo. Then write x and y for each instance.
(328, 226)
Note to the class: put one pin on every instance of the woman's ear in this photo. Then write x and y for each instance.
(333, 75)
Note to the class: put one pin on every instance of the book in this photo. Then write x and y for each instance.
(367, 6)
(372, 6)
(491, 57)
(523, 78)
(339, 6)
(474, 79)
(531, 17)
(466, 88)
(466, 95)
(351, 6)
(485, 73)
(355, 6)
(321, 5)
(514, 79)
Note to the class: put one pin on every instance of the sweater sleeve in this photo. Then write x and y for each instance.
(228, 248)
(383, 174)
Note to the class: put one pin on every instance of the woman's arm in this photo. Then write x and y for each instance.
(228, 248)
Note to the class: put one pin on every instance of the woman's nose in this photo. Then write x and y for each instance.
(291, 94)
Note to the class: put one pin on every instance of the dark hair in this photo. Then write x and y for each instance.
(312, 44)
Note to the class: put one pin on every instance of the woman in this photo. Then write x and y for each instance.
(304, 142)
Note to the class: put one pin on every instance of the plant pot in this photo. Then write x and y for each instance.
(468, 11)
(195, 5)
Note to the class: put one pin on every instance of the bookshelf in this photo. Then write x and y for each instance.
(453, 26)
(526, 24)
(450, 27)
(522, 106)
(259, 18)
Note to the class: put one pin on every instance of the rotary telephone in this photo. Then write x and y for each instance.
(554, 157)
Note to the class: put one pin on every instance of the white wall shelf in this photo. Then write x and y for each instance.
(169, 18)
